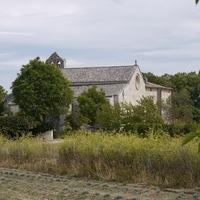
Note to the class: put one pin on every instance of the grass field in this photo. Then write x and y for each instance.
(24, 185)
(91, 166)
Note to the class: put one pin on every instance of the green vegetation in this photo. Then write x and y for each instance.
(41, 91)
(16, 126)
(3, 108)
(185, 100)
(90, 102)
(157, 160)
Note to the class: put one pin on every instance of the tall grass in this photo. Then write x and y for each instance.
(159, 161)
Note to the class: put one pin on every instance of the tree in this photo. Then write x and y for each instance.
(109, 117)
(90, 102)
(3, 107)
(182, 83)
(181, 110)
(41, 90)
(145, 112)
(197, 1)
(76, 120)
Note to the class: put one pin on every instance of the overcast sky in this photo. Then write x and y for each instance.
(163, 36)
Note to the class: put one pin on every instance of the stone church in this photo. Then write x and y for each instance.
(120, 83)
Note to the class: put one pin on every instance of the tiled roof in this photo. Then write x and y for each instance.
(99, 74)
(111, 79)
(153, 85)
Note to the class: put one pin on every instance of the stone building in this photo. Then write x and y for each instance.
(120, 83)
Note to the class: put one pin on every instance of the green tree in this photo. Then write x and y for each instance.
(109, 117)
(181, 110)
(41, 90)
(187, 82)
(76, 120)
(90, 102)
(145, 112)
(3, 107)
(148, 111)
(197, 1)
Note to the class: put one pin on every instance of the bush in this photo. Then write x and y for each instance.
(43, 128)
(15, 126)
(180, 129)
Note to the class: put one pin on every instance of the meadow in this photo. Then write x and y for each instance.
(157, 161)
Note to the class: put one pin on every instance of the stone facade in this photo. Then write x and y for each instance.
(120, 83)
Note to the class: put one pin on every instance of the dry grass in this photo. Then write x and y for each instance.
(157, 161)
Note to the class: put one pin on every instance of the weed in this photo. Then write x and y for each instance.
(106, 195)
(119, 196)
(159, 161)
(88, 183)
(65, 188)
(105, 185)
(84, 192)
(97, 193)
(58, 179)
(75, 190)
(133, 198)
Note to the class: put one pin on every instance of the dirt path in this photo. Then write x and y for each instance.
(21, 185)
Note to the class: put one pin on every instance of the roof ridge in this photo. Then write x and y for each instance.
(111, 66)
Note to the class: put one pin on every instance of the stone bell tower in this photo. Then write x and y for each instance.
(57, 60)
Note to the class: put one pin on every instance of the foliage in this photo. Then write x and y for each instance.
(109, 117)
(3, 93)
(76, 119)
(190, 136)
(14, 126)
(181, 110)
(186, 89)
(41, 90)
(197, 1)
(3, 108)
(145, 112)
(90, 102)
(128, 117)
(123, 157)
(157, 160)
(42, 127)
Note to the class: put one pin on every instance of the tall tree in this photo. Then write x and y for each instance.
(182, 83)
(181, 110)
(41, 90)
(90, 101)
(145, 112)
(3, 107)
(109, 117)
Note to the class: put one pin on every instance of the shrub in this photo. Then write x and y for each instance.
(15, 126)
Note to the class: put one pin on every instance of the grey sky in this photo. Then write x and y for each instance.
(163, 36)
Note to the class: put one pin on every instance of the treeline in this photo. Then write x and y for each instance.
(185, 98)
(180, 112)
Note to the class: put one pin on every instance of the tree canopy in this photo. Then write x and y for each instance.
(3, 107)
(185, 94)
(41, 90)
(90, 102)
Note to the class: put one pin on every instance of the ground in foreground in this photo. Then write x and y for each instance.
(21, 185)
